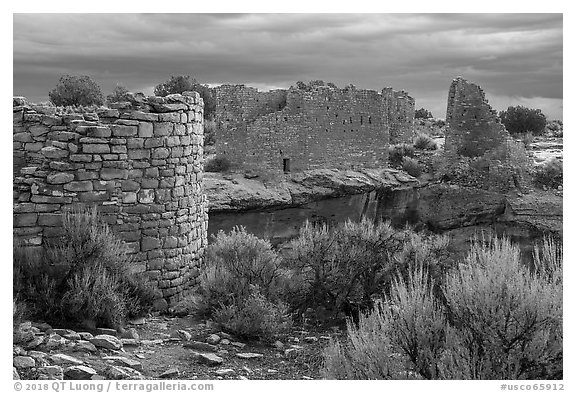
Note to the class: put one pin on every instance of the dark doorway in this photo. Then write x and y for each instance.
(286, 164)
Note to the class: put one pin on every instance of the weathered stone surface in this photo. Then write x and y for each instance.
(106, 341)
(170, 373)
(23, 362)
(123, 361)
(213, 339)
(225, 371)
(249, 355)
(60, 178)
(50, 373)
(121, 372)
(79, 372)
(15, 375)
(61, 358)
(101, 159)
(239, 193)
(85, 346)
(200, 346)
(209, 359)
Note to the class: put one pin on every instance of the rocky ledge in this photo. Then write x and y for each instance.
(235, 192)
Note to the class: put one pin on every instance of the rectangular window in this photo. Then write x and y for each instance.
(286, 165)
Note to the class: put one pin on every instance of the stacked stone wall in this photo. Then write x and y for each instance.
(141, 164)
(324, 127)
(400, 110)
(474, 130)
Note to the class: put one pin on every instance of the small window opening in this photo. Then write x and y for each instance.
(369, 119)
(286, 165)
(361, 120)
(350, 119)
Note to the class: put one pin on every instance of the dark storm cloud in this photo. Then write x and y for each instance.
(514, 57)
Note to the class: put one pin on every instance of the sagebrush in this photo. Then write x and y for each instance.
(495, 318)
(84, 275)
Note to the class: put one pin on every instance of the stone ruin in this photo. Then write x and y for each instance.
(325, 127)
(474, 132)
(140, 163)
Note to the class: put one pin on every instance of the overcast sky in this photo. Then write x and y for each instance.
(516, 58)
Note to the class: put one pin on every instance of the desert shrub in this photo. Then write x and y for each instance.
(496, 319)
(255, 317)
(403, 338)
(424, 142)
(422, 114)
(181, 83)
(556, 128)
(235, 261)
(342, 268)
(119, 94)
(550, 174)
(85, 275)
(76, 90)
(411, 166)
(217, 164)
(209, 132)
(548, 257)
(397, 152)
(506, 323)
(519, 119)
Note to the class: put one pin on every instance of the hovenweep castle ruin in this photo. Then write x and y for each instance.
(323, 127)
(141, 162)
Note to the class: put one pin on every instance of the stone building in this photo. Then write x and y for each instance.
(324, 127)
(474, 131)
(141, 164)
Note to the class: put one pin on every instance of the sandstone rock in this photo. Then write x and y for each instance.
(311, 339)
(200, 346)
(61, 358)
(213, 339)
(238, 344)
(129, 342)
(225, 371)
(23, 362)
(51, 373)
(121, 372)
(85, 346)
(126, 362)
(249, 355)
(170, 373)
(130, 333)
(106, 341)
(43, 326)
(36, 341)
(79, 372)
(209, 359)
(242, 377)
(15, 375)
(72, 336)
(107, 331)
(225, 341)
(85, 336)
(53, 341)
(278, 344)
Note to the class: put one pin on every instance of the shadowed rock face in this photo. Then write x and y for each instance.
(474, 128)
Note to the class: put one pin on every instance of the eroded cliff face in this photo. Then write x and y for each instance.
(234, 192)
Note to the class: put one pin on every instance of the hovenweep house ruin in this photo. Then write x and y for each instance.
(321, 127)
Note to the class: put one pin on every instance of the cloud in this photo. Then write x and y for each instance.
(509, 55)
